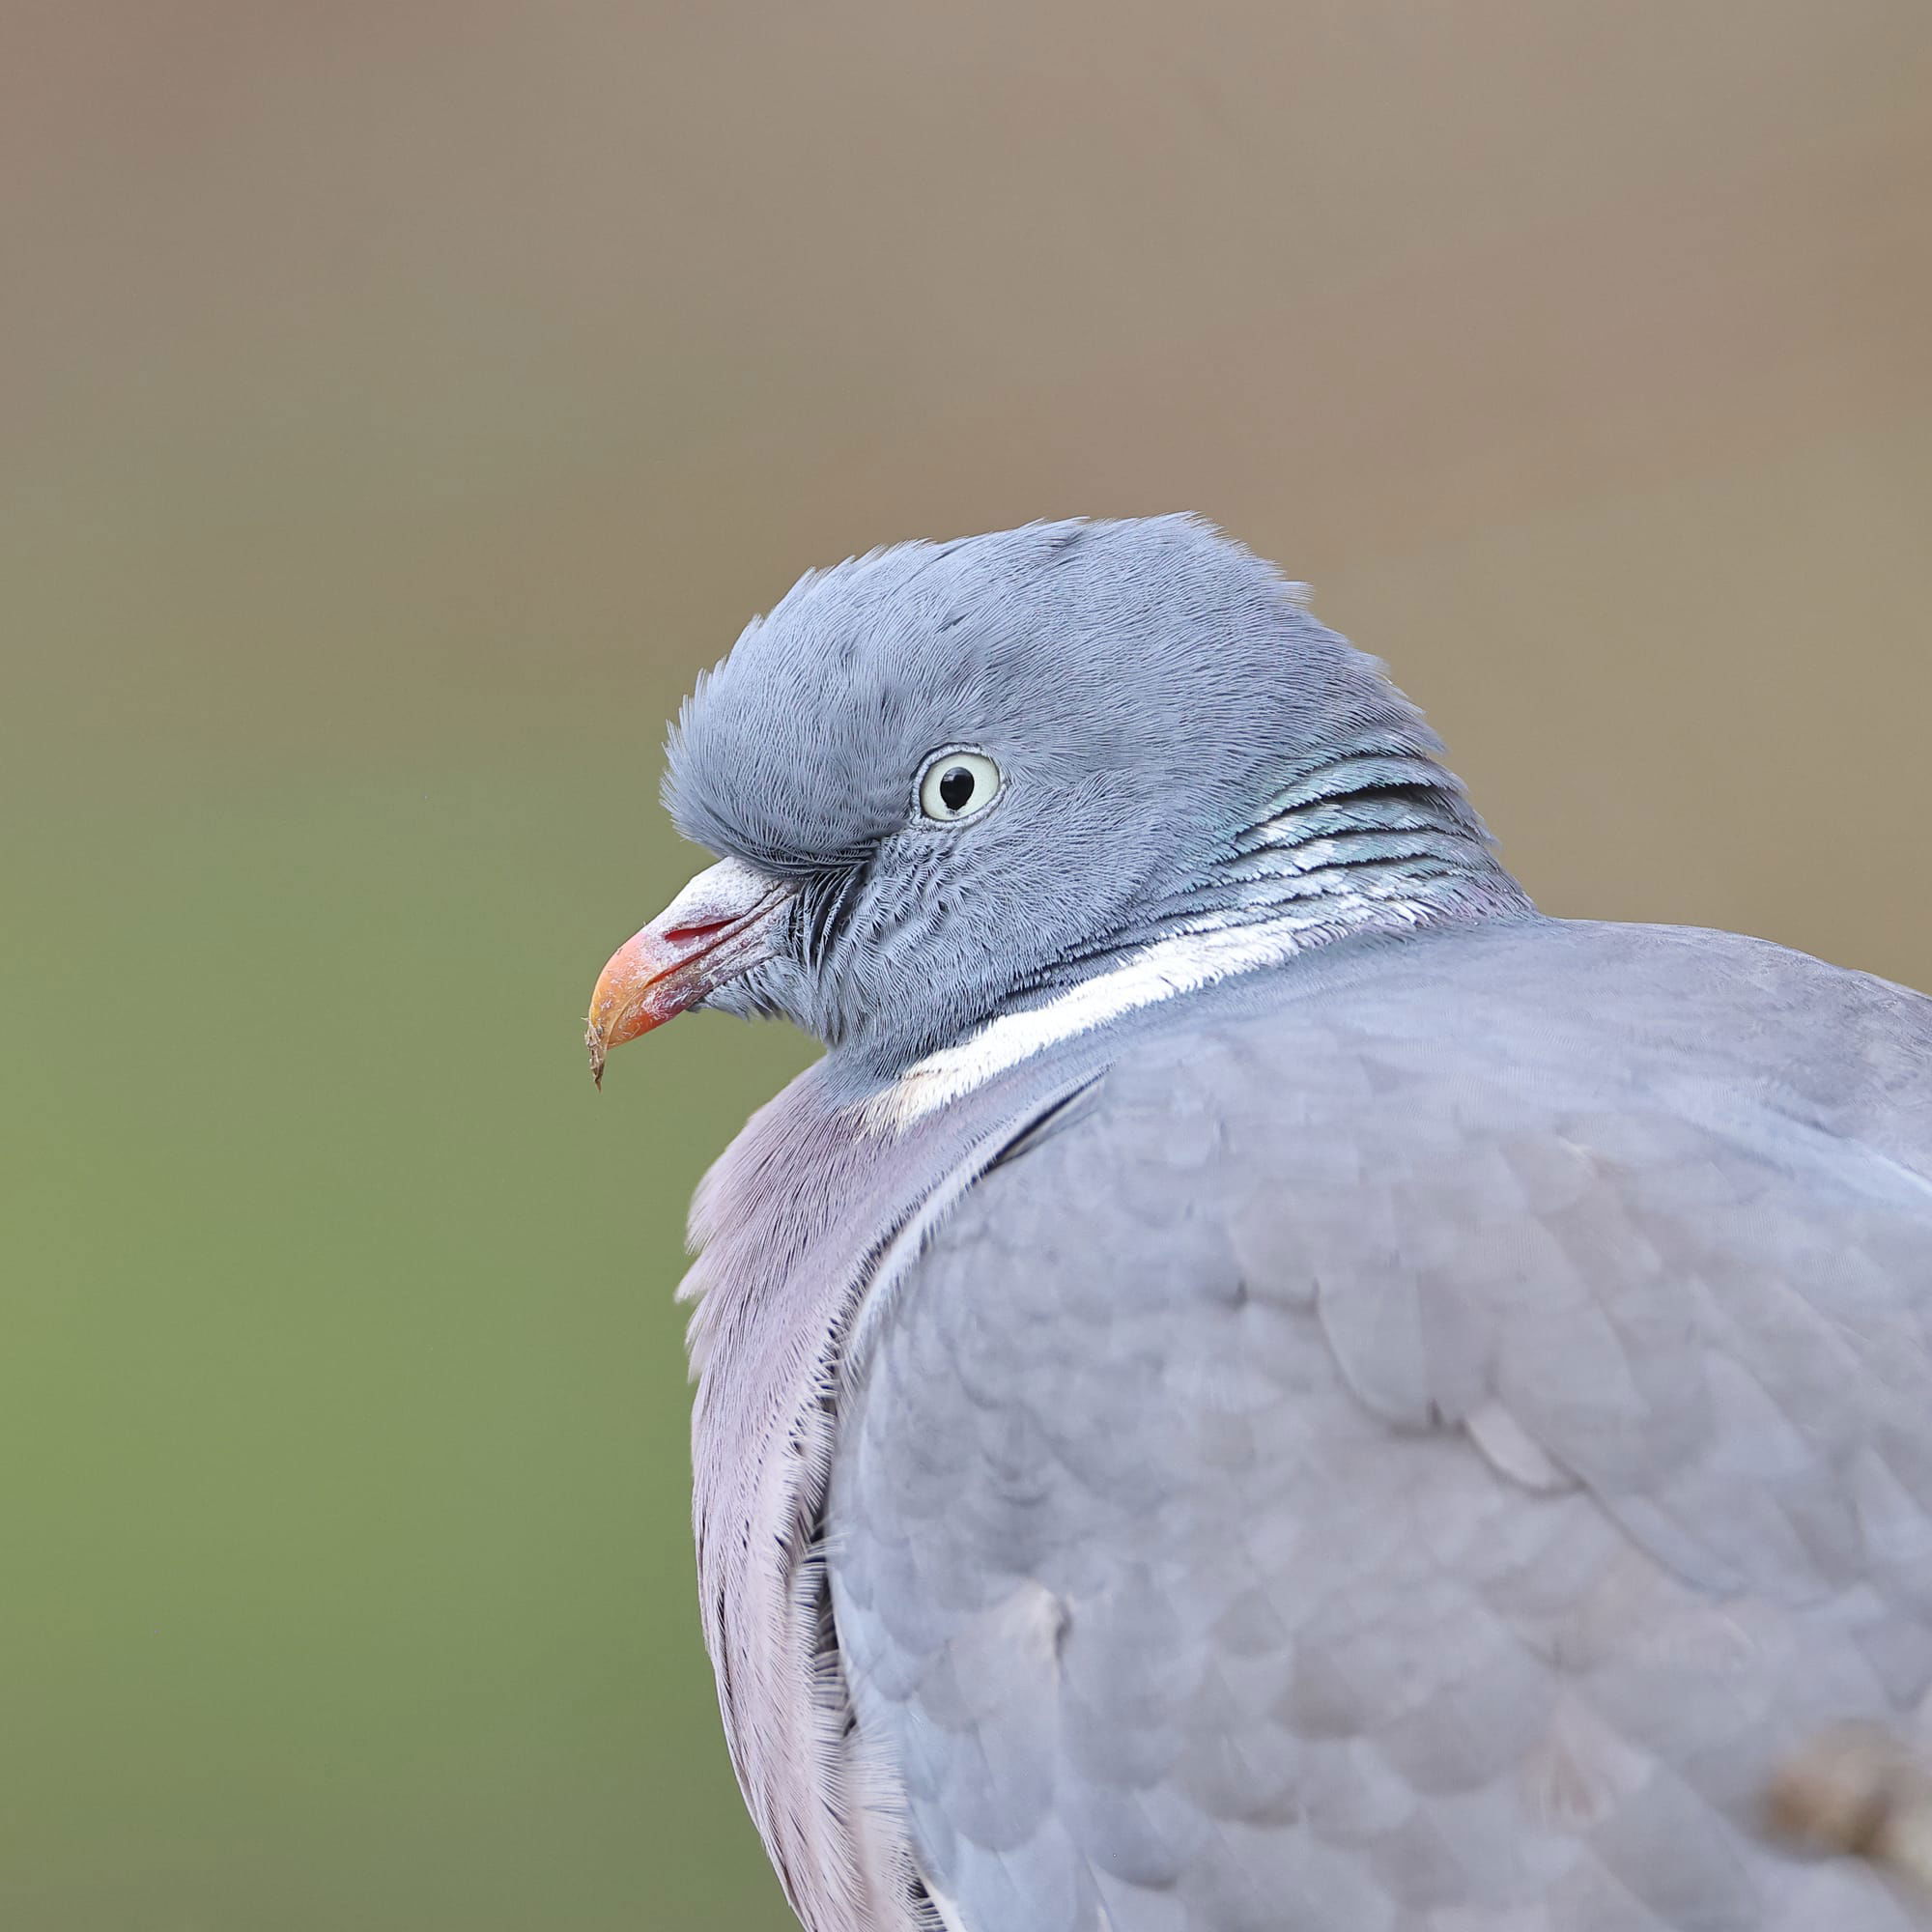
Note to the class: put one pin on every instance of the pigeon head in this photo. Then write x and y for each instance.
(946, 781)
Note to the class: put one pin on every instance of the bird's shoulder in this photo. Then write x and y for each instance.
(1362, 1403)
(1559, 1169)
(1515, 1165)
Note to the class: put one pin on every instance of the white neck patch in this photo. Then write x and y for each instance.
(1182, 964)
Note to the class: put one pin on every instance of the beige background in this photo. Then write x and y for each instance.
(399, 401)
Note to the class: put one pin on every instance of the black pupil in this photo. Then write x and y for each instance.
(956, 787)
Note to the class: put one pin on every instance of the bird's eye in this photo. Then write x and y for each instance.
(956, 784)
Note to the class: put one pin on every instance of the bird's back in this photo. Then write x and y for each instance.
(1411, 1447)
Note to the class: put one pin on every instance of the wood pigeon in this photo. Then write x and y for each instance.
(1260, 1385)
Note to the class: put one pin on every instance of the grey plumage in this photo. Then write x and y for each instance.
(1261, 1384)
(1383, 1465)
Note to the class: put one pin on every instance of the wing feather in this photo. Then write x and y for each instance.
(1407, 1463)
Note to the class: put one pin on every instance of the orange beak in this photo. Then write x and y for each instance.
(720, 926)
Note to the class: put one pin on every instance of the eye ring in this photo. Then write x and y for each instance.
(958, 784)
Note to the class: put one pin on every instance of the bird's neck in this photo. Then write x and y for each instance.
(1372, 838)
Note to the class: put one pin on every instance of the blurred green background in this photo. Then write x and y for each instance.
(399, 402)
